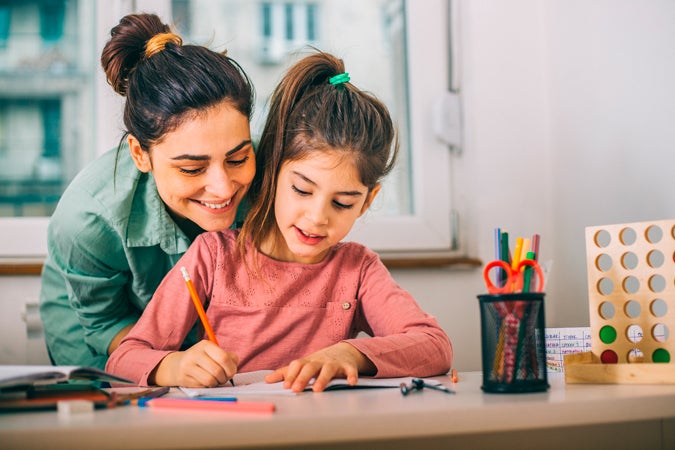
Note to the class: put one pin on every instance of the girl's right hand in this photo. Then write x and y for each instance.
(202, 365)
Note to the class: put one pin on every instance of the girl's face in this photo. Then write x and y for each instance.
(203, 168)
(318, 200)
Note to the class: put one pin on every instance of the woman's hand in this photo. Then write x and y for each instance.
(341, 360)
(202, 365)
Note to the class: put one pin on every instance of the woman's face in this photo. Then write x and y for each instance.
(203, 168)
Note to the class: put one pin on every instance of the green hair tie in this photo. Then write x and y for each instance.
(339, 79)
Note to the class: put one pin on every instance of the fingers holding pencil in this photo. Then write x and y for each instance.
(204, 364)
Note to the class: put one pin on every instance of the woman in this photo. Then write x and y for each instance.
(128, 217)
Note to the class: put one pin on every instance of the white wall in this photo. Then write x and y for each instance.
(570, 121)
(21, 336)
(612, 93)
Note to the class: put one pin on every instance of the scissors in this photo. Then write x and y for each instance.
(514, 278)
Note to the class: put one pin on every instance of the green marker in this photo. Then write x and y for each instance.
(527, 274)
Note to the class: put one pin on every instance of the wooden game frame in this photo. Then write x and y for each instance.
(631, 287)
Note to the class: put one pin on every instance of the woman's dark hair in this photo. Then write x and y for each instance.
(307, 114)
(165, 82)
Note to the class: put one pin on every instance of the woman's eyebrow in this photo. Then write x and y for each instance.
(190, 157)
(349, 193)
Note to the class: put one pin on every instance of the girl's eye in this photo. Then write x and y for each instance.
(191, 171)
(342, 205)
(303, 193)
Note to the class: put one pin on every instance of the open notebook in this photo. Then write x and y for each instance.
(12, 377)
(254, 383)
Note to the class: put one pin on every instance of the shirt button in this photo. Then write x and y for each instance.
(346, 306)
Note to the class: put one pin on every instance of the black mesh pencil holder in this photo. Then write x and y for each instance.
(512, 342)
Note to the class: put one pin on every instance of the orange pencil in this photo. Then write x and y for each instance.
(199, 306)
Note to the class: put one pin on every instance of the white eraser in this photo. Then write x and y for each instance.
(68, 408)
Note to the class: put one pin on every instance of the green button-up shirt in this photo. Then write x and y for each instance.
(110, 242)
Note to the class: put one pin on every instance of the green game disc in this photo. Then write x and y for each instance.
(661, 355)
(607, 334)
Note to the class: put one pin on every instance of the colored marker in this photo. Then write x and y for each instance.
(505, 256)
(453, 376)
(150, 394)
(498, 244)
(211, 405)
(535, 246)
(525, 249)
(527, 274)
(516, 253)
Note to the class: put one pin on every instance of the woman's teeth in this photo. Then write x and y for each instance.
(216, 206)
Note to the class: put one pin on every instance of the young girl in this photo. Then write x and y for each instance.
(285, 293)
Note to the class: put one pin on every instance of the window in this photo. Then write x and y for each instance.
(51, 124)
(284, 27)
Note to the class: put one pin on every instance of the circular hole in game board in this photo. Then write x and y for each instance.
(634, 333)
(631, 284)
(661, 355)
(658, 307)
(657, 283)
(629, 260)
(654, 234)
(632, 309)
(655, 259)
(660, 332)
(605, 286)
(609, 357)
(635, 355)
(627, 236)
(603, 262)
(607, 310)
(607, 334)
(603, 238)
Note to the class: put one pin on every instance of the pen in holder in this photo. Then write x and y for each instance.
(512, 342)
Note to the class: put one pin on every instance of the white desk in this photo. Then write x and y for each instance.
(567, 416)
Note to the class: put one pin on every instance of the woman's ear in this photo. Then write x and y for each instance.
(369, 199)
(141, 157)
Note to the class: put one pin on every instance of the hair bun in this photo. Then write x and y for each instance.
(158, 42)
(127, 47)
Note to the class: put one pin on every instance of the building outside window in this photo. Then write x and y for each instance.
(56, 114)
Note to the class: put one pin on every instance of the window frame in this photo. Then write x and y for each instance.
(429, 229)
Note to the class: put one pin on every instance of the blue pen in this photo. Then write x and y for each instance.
(142, 402)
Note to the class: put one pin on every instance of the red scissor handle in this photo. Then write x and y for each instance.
(514, 279)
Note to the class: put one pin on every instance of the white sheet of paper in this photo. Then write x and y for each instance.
(253, 383)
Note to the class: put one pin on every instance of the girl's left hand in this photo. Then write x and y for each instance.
(341, 360)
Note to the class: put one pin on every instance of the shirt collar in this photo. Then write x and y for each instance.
(150, 223)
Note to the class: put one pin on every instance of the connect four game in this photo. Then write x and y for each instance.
(631, 290)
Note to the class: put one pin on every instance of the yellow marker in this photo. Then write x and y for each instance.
(516, 254)
(498, 369)
(525, 249)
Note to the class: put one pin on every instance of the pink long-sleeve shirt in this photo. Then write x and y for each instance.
(292, 311)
